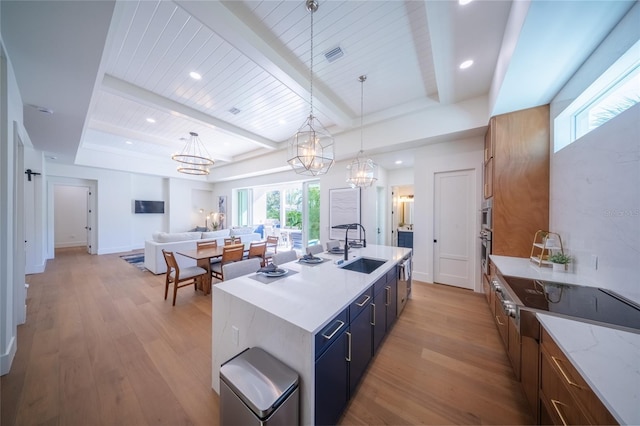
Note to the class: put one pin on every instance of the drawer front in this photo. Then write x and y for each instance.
(331, 331)
(574, 383)
(360, 304)
(501, 322)
(559, 403)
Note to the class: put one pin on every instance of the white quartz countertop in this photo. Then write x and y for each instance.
(525, 268)
(313, 296)
(608, 359)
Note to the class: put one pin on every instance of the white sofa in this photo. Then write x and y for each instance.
(154, 261)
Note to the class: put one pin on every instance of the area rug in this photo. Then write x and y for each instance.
(136, 259)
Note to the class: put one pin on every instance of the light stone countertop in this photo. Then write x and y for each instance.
(608, 360)
(313, 296)
(525, 268)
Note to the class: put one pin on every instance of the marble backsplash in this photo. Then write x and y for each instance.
(595, 203)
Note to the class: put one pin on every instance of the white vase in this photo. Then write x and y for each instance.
(562, 267)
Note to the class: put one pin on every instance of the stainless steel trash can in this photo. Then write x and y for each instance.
(257, 389)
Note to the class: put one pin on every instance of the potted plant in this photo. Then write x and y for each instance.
(560, 261)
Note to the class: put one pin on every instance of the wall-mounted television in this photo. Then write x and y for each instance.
(141, 206)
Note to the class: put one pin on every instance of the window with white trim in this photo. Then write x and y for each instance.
(615, 91)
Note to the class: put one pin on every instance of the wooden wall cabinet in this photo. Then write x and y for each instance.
(517, 177)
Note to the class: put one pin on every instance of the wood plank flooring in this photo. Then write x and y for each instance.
(102, 347)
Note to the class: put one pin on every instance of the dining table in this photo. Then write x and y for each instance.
(203, 258)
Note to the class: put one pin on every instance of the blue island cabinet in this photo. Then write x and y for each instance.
(345, 348)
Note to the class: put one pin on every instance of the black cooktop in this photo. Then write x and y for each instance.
(589, 303)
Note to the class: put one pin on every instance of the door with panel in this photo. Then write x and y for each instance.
(454, 228)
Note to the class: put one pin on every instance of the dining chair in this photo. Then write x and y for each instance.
(181, 277)
(272, 248)
(258, 249)
(314, 249)
(206, 244)
(284, 257)
(238, 269)
(231, 240)
(230, 253)
(333, 244)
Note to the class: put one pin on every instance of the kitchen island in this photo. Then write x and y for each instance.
(283, 316)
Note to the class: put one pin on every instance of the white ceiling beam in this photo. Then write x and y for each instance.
(439, 21)
(254, 46)
(138, 94)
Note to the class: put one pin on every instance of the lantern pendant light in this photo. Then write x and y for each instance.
(311, 150)
(361, 172)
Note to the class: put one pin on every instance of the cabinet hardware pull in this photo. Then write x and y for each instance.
(349, 352)
(555, 407)
(366, 299)
(334, 331)
(373, 314)
(556, 361)
(388, 295)
(498, 320)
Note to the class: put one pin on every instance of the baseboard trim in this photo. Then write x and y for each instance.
(6, 359)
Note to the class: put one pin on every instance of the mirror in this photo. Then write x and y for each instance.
(406, 202)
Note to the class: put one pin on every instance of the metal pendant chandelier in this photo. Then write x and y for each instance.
(194, 158)
(361, 172)
(311, 150)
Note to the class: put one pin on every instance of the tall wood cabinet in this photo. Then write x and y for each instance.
(516, 176)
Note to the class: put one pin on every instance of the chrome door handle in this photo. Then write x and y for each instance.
(349, 350)
(366, 299)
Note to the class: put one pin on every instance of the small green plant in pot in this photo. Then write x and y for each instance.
(560, 261)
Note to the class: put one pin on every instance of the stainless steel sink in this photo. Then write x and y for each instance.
(364, 265)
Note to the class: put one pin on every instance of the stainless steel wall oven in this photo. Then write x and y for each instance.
(485, 250)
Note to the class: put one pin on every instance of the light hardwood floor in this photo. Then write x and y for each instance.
(102, 346)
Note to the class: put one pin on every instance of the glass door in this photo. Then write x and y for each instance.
(311, 213)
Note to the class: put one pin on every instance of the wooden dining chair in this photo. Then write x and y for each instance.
(231, 241)
(258, 249)
(314, 249)
(284, 257)
(237, 269)
(206, 244)
(181, 277)
(272, 248)
(230, 253)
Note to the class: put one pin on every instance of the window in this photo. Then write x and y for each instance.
(619, 98)
(615, 91)
(243, 217)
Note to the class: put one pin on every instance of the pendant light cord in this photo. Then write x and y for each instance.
(363, 78)
(312, 10)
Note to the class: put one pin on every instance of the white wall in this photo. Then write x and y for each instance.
(464, 154)
(594, 191)
(12, 279)
(119, 229)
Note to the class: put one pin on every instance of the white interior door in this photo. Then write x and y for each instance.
(453, 228)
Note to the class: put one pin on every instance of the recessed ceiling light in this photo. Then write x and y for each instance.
(151, 120)
(128, 142)
(463, 2)
(466, 64)
(282, 121)
(194, 75)
(398, 161)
